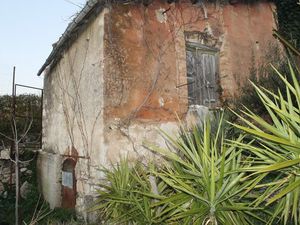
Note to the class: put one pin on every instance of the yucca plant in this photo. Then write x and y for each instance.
(275, 149)
(127, 194)
(113, 192)
(204, 173)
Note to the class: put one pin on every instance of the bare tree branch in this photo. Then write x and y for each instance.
(9, 138)
(26, 161)
(73, 3)
(26, 132)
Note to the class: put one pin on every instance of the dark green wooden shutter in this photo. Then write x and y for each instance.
(202, 75)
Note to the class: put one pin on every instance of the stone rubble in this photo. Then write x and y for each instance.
(7, 173)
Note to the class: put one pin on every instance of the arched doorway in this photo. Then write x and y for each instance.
(68, 183)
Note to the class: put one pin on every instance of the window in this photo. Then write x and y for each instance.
(202, 74)
(67, 179)
(67, 175)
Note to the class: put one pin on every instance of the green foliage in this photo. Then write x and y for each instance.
(27, 206)
(127, 197)
(276, 148)
(28, 107)
(7, 207)
(199, 182)
(60, 216)
(32, 202)
(288, 13)
(264, 76)
(206, 174)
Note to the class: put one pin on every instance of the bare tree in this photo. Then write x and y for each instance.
(17, 136)
(16, 139)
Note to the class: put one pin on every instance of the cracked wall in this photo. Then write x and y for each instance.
(145, 62)
(73, 117)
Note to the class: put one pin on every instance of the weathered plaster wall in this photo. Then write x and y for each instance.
(247, 37)
(140, 66)
(73, 115)
(49, 173)
(123, 79)
(129, 141)
(145, 63)
(145, 53)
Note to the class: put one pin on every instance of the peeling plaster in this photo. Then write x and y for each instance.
(136, 62)
(161, 15)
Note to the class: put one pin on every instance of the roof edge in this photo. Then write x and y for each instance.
(83, 17)
(80, 19)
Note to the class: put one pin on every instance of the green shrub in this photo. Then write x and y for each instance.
(264, 76)
(27, 206)
(126, 195)
(276, 148)
(198, 182)
(60, 216)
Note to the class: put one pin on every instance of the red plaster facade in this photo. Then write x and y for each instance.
(145, 57)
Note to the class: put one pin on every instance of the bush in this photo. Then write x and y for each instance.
(198, 183)
(276, 147)
(266, 77)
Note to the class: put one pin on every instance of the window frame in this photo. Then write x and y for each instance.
(203, 49)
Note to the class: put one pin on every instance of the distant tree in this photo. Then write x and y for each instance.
(20, 124)
(28, 106)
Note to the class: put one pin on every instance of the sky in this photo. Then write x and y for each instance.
(28, 30)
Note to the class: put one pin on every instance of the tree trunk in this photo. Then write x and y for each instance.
(17, 170)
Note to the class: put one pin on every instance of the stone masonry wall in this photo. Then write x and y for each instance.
(7, 174)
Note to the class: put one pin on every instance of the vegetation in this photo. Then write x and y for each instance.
(7, 206)
(199, 183)
(28, 107)
(211, 174)
(208, 173)
(33, 209)
(288, 13)
(276, 147)
(205, 178)
(127, 196)
(264, 76)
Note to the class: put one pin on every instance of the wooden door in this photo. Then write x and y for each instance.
(68, 184)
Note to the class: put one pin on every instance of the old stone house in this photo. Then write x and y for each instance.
(123, 69)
